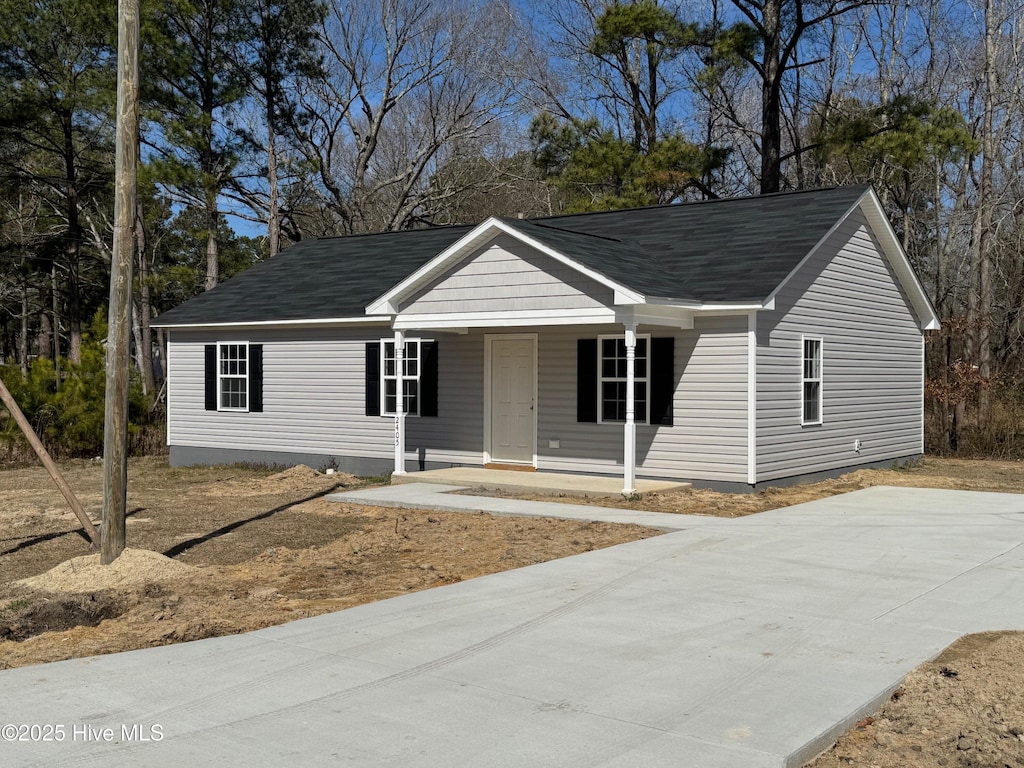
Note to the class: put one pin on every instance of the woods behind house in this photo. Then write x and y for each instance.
(268, 122)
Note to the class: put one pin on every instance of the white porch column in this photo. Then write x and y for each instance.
(629, 458)
(399, 403)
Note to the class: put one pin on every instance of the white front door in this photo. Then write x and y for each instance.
(512, 391)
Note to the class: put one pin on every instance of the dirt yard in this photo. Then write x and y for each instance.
(216, 551)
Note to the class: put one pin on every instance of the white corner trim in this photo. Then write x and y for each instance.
(167, 383)
(477, 237)
(752, 398)
(922, 392)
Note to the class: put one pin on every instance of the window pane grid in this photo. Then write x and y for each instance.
(233, 372)
(410, 378)
(612, 379)
(811, 394)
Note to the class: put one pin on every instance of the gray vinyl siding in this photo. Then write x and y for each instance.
(871, 362)
(314, 385)
(508, 275)
(708, 440)
(314, 398)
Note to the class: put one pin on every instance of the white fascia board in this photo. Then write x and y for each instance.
(892, 251)
(898, 259)
(719, 307)
(323, 323)
(505, 319)
(654, 314)
(480, 235)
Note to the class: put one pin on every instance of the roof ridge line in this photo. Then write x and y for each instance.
(688, 203)
(351, 235)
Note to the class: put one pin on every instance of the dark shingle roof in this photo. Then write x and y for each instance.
(734, 250)
(721, 250)
(317, 279)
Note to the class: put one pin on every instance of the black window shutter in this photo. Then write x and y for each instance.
(373, 378)
(586, 380)
(210, 373)
(256, 378)
(428, 378)
(663, 380)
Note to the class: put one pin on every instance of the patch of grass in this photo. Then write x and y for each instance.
(907, 466)
(16, 605)
(382, 479)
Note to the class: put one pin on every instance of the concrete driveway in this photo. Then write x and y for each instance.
(735, 643)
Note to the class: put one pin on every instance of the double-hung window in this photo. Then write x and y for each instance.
(612, 378)
(811, 395)
(410, 375)
(233, 376)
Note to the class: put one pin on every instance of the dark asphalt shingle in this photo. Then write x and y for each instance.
(734, 250)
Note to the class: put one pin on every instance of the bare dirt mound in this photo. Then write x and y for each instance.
(293, 480)
(134, 568)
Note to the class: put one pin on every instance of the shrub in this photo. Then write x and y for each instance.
(69, 418)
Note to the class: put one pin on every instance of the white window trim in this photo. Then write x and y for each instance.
(222, 376)
(820, 379)
(601, 379)
(384, 378)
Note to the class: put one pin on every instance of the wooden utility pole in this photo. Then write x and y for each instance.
(115, 424)
(44, 456)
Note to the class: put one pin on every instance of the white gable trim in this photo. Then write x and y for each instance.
(882, 227)
(892, 251)
(478, 237)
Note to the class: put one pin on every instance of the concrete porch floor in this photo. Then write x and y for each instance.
(551, 483)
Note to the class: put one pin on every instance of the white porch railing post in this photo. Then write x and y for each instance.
(399, 403)
(629, 459)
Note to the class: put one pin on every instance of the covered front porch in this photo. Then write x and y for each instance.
(550, 365)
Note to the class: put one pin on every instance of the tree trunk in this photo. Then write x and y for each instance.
(73, 246)
(74, 316)
(136, 325)
(273, 213)
(44, 339)
(981, 267)
(771, 99)
(212, 261)
(145, 304)
(23, 335)
(55, 296)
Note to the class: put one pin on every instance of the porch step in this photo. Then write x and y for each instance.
(547, 483)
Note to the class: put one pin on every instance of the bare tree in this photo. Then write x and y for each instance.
(410, 84)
